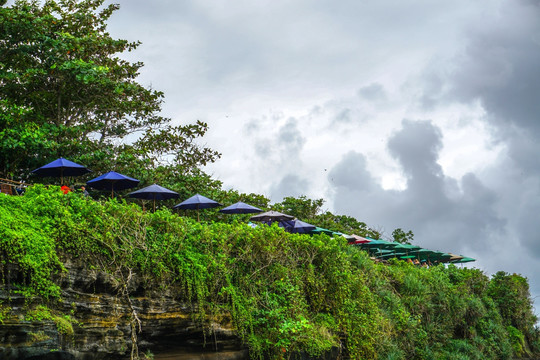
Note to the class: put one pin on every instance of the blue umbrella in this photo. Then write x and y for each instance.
(154, 192)
(197, 202)
(113, 181)
(240, 208)
(297, 226)
(60, 168)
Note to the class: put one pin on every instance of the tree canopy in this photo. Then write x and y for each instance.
(66, 91)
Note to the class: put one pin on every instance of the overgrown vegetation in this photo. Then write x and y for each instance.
(65, 92)
(286, 294)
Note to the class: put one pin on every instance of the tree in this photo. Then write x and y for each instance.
(301, 207)
(63, 84)
(402, 237)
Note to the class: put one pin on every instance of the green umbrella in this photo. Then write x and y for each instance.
(379, 244)
(391, 255)
(464, 260)
(319, 230)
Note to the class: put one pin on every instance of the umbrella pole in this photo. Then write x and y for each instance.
(154, 203)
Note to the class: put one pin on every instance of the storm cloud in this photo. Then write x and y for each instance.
(444, 213)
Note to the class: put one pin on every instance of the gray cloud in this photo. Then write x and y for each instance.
(499, 69)
(443, 213)
(289, 185)
(372, 92)
(290, 137)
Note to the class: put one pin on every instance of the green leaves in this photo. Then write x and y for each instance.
(60, 65)
(285, 294)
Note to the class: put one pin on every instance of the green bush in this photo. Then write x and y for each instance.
(285, 294)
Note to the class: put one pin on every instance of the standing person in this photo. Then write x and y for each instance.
(84, 191)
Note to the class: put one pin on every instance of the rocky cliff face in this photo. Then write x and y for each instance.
(105, 322)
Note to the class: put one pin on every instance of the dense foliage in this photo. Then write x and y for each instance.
(65, 91)
(286, 294)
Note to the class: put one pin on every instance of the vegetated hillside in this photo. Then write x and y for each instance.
(286, 294)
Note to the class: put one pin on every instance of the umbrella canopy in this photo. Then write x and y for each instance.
(197, 202)
(319, 230)
(349, 238)
(454, 257)
(359, 239)
(271, 216)
(463, 260)
(60, 168)
(112, 181)
(379, 244)
(296, 226)
(390, 255)
(154, 192)
(240, 208)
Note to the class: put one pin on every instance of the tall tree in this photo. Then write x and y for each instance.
(63, 83)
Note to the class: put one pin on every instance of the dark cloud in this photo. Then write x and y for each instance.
(499, 68)
(417, 147)
(442, 212)
(351, 175)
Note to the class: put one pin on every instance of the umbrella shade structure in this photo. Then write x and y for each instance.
(240, 208)
(349, 238)
(320, 230)
(154, 192)
(271, 216)
(60, 168)
(359, 239)
(463, 260)
(407, 247)
(390, 255)
(197, 202)
(297, 226)
(379, 244)
(113, 181)
(454, 257)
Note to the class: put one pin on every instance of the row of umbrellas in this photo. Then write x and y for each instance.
(114, 181)
(383, 249)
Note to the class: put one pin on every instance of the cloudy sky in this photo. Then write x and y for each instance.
(416, 114)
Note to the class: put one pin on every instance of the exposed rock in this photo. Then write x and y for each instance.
(102, 322)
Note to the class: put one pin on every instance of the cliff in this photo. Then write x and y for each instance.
(104, 280)
(101, 322)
